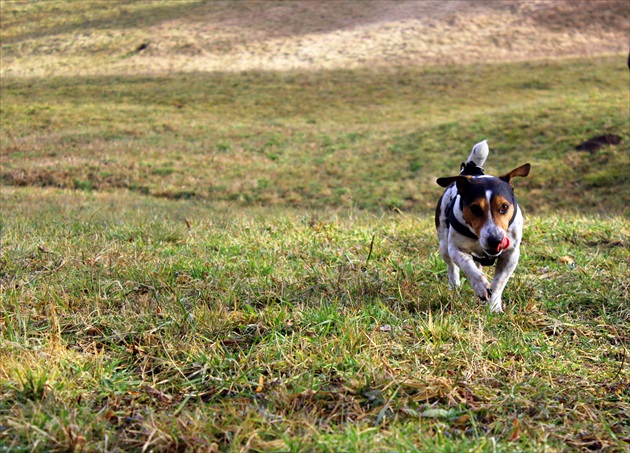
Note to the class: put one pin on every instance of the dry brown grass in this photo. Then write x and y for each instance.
(309, 35)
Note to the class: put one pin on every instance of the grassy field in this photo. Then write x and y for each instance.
(246, 260)
(147, 324)
(366, 139)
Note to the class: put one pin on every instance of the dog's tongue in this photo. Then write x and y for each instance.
(505, 243)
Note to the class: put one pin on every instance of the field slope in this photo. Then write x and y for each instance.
(216, 232)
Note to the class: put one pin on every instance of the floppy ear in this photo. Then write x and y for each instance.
(523, 171)
(460, 181)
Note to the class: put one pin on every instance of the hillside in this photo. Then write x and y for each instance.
(236, 101)
(216, 227)
(157, 37)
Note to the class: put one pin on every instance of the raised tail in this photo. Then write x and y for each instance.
(474, 165)
(479, 153)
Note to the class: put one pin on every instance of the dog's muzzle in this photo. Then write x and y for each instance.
(505, 243)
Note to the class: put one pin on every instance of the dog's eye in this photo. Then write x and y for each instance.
(476, 210)
(503, 209)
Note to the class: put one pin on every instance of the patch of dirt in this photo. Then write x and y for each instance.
(593, 144)
(318, 34)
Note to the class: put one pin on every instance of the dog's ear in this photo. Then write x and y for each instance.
(523, 171)
(460, 181)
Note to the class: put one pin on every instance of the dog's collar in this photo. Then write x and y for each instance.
(486, 260)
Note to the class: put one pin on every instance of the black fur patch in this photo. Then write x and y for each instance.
(470, 169)
(478, 187)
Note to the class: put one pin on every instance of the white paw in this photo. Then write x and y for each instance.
(482, 289)
(453, 279)
(496, 306)
(495, 300)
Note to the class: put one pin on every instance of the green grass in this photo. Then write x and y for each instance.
(366, 139)
(134, 322)
(247, 262)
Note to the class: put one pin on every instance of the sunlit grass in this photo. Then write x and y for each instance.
(246, 261)
(367, 139)
(280, 330)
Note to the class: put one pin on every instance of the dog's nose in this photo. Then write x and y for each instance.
(494, 241)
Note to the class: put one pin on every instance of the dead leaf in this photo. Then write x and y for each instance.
(567, 260)
(110, 415)
(461, 421)
(261, 384)
(516, 431)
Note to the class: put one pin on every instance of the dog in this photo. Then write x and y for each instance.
(478, 223)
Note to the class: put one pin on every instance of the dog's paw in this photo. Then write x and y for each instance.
(483, 290)
(453, 285)
(495, 303)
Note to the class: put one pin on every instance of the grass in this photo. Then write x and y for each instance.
(368, 139)
(139, 323)
(43, 39)
(247, 261)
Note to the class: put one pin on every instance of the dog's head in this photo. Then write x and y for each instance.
(488, 206)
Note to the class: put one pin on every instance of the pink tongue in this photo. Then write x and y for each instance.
(505, 243)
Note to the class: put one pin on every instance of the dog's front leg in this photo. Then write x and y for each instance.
(475, 276)
(452, 269)
(506, 263)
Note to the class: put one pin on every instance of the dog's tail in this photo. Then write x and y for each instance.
(474, 165)
(479, 153)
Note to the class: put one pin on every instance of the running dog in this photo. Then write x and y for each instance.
(479, 223)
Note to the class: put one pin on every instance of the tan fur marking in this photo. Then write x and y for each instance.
(502, 220)
(474, 221)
